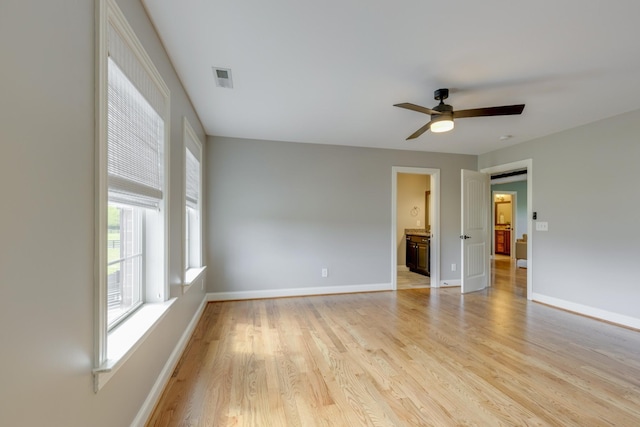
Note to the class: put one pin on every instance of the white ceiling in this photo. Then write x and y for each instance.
(329, 71)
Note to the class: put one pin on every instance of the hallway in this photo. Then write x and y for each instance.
(506, 276)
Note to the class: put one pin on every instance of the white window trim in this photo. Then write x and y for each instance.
(113, 348)
(125, 339)
(192, 274)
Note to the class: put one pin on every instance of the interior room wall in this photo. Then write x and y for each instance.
(586, 261)
(410, 195)
(279, 212)
(47, 221)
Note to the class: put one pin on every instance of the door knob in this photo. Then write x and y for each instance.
(465, 237)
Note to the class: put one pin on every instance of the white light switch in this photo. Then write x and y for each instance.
(542, 226)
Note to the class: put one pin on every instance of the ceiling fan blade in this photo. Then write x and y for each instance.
(506, 110)
(417, 108)
(420, 131)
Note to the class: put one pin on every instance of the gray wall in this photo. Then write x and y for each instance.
(47, 221)
(279, 212)
(520, 187)
(583, 187)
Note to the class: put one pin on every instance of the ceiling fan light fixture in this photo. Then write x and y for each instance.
(442, 114)
(442, 125)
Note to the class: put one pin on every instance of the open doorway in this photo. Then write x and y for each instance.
(415, 216)
(504, 222)
(413, 223)
(512, 269)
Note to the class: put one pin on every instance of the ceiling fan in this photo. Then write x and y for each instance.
(442, 115)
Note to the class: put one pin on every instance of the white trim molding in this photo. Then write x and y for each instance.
(126, 338)
(112, 349)
(163, 378)
(297, 292)
(192, 276)
(192, 143)
(596, 313)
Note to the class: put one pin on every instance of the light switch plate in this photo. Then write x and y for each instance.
(542, 226)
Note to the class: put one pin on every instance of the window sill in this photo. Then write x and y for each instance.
(192, 276)
(123, 341)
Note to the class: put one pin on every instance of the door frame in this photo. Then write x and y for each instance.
(528, 165)
(434, 217)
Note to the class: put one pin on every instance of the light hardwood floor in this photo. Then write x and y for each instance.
(419, 357)
(411, 280)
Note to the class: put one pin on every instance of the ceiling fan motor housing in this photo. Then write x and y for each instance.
(444, 109)
(440, 94)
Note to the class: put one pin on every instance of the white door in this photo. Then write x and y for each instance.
(475, 241)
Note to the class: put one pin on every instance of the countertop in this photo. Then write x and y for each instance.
(417, 232)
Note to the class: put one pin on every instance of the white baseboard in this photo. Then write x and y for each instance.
(161, 382)
(450, 283)
(296, 292)
(619, 319)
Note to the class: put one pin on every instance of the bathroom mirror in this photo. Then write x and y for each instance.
(503, 213)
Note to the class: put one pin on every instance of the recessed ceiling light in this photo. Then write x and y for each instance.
(505, 137)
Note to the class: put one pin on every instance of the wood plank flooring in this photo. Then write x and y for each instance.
(418, 357)
(411, 280)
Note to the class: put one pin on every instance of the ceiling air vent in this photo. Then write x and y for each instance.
(223, 77)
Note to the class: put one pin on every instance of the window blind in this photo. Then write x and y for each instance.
(193, 179)
(137, 73)
(135, 139)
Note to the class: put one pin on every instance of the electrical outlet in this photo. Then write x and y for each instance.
(453, 267)
(325, 272)
(418, 223)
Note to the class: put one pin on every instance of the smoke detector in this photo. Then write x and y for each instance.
(223, 77)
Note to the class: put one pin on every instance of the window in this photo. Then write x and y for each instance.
(124, 261)
(132, 250)
(193, 202)
(135, 166)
